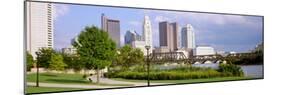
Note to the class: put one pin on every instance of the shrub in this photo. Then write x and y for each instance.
(230, 69)
(167, 75)
(180, 73)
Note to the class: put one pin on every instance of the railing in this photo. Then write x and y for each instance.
(179, 57)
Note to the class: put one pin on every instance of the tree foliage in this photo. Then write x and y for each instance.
(128, 56)
(44, 56)
(56, 62)
(73, 62)
(96, 48)
(29, 61)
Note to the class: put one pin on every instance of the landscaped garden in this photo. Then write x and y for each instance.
(180, 73)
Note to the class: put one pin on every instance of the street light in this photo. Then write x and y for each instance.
(147, 61)
(37, 72)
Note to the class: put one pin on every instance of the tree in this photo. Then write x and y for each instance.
(44, 56)
(96, 48)
(29, 61)
(137, 56)
(56, 62)
(123, 57)
(129, 56)
(73, 62)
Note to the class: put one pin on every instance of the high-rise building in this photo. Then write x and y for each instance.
(40, 26)
(174, 33)
(135, 40)
(112, 27)
(131, 36)
(103, 22)
(188, 37)
(168, 35)
(147, 32)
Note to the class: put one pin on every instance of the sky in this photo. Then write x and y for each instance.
(223, 32)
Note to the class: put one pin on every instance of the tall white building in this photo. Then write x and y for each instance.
(39, 26)
(147, 32)
(188, 37)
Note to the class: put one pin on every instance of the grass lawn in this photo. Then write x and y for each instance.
(62, 78)
(187, 81)
(58, 78)
(32, 89)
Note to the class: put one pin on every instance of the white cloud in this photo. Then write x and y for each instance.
(60, 10)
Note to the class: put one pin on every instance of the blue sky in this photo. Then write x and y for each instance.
(223, 32)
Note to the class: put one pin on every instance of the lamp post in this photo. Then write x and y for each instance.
(147, 61)
(37, 75)
(37, 72)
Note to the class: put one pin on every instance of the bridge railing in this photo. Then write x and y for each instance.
(180, 57)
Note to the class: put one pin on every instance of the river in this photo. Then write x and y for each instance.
(255, 71)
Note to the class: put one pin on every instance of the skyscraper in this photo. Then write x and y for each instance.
(112, 27)
(132, 35)
(168, 35)
(174, 33)
(188, 37)
(135, 40)
(147, 32)
(40, 27)
(103, 22)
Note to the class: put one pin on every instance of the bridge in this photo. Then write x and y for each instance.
(179, 57)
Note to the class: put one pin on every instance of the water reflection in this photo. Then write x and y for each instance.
(255, 71)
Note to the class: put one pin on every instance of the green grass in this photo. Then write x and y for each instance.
(32, 89)
(58, 78)
(62, 78)
(187, 81)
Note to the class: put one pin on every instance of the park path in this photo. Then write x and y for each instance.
(69, 85)
(88, 86)
(110, 81)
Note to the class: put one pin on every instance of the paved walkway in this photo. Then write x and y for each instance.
(110, 81)
(69, 85)
(89, 86)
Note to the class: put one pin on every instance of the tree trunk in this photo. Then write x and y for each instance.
(98, 75)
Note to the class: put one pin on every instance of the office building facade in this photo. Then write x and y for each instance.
(132, 35)
(112, 27)
(147, 32)
(69, 50)
(40, 26)
(188, 37)
(140, 45)
(204, 50)
(168, 35)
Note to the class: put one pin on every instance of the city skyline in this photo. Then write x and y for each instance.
(223, 32)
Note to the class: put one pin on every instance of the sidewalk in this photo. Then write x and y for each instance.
(70, 85)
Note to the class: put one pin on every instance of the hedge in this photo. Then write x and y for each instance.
(180, 73)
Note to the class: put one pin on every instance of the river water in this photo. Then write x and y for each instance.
(255, 71)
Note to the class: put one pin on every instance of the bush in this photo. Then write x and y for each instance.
(180, 73)
(29, 61)
(167, 75)
(231, 69)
